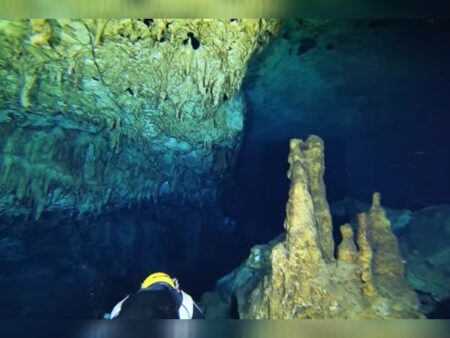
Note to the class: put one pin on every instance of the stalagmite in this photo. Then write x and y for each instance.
(302, 279)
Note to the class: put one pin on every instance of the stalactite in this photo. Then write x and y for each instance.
(84, 133)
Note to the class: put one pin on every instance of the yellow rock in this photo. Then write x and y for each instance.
(302, 279)
(42, 31)
(347, 251)
(99, 105)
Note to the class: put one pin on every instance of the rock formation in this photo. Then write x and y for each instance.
(349, 208)
(424, 241)
(104, 112)
(425, 244)
(298, 276)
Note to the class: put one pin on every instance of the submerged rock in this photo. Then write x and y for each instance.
(350, 207)
(425, 244)
(234, 289)
(101, 112)
(298, 276)
(424, 240)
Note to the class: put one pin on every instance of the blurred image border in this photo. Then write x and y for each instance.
(332, 9)
(225, 328)
(325, 9)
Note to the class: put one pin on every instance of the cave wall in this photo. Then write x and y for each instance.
(117, 142)
(101, 113)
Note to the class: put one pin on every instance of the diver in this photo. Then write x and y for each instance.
(159, 297)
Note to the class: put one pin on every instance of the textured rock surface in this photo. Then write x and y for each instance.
(97, 112)
(297, 276)
(425, 244)
(232, 291)
(424, 240)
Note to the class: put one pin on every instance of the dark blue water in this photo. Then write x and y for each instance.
(379, 99)
(377, 95)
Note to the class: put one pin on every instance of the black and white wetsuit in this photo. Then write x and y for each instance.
(187, 308)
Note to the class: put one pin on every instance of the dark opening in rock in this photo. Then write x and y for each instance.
(194, 41)
(148, 22)
(234, 308)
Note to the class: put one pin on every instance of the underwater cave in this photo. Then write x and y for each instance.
(133, 149)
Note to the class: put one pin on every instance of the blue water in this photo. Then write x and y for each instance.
(379, 99)
(381, 106)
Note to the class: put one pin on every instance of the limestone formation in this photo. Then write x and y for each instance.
(350, 207)
(302, 279)
(102, 112)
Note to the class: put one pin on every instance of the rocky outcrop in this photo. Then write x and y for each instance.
(425, 244)
(424, 241)
(106, 112)
(299, 277)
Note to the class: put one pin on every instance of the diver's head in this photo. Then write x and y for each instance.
(159, 278)
(158, 298)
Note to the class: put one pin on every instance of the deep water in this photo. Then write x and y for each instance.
(379, 99)
(82, 268)
(378, 95)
